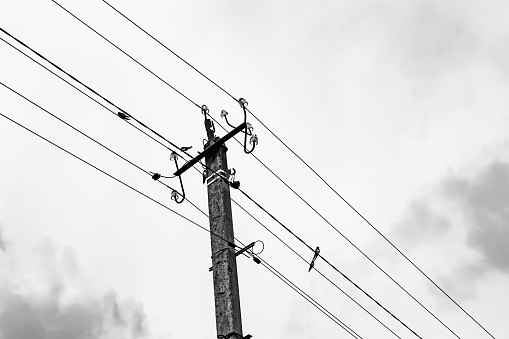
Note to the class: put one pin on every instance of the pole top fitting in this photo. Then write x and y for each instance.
(173, 156)
(243, 102)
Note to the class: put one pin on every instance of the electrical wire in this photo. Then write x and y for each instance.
(136, 61)
(108, 101)
(332, 266)
(319, 176)
(96, 142)
(89, 89)
(169, 50)
(309, 298)
(146, 172)
(239, 143)
(316, 304)
(96, 93)
(313, 171)
(119, 49)
(111, 103)
(316, 269)
(114, 178)
(359, 250)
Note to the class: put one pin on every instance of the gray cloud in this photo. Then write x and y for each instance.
(421, 225)
(485, 200)
(58, 306)
(435, 37)
(25, 316)
(464, 223)
(478, 207)
(3, 245)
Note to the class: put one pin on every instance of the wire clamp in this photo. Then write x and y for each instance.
(234, 184)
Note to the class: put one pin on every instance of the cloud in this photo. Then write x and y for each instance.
(460, 229)
(421, 225)
(435, 37)
(53, 301)
(297, 324)
(3, 244)
(485, 200)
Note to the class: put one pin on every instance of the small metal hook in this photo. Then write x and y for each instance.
(204, 110)
(248, 129)
(179, 198)
(253, 140)
(224, 115)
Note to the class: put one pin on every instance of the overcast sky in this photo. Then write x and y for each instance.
(401, 106)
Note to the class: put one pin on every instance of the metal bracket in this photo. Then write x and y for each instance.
(209, 149)
(219, 174)
(231, 334)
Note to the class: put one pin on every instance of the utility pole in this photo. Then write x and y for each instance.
(224, 262)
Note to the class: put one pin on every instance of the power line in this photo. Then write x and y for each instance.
(310, 299)
(266, 264)
(95, 92)
(356, 247)
(95, 141)
(89, 89)
(293, 286)
(125, 53)
(316, 269)
(112, 177)
(119, 49)
(169, 50)
(380, 233)
(92, 99)
(111, 103)
(312, 170)
(332, 266)
(263, 163)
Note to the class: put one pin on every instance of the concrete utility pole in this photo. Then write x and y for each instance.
(224, 263)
